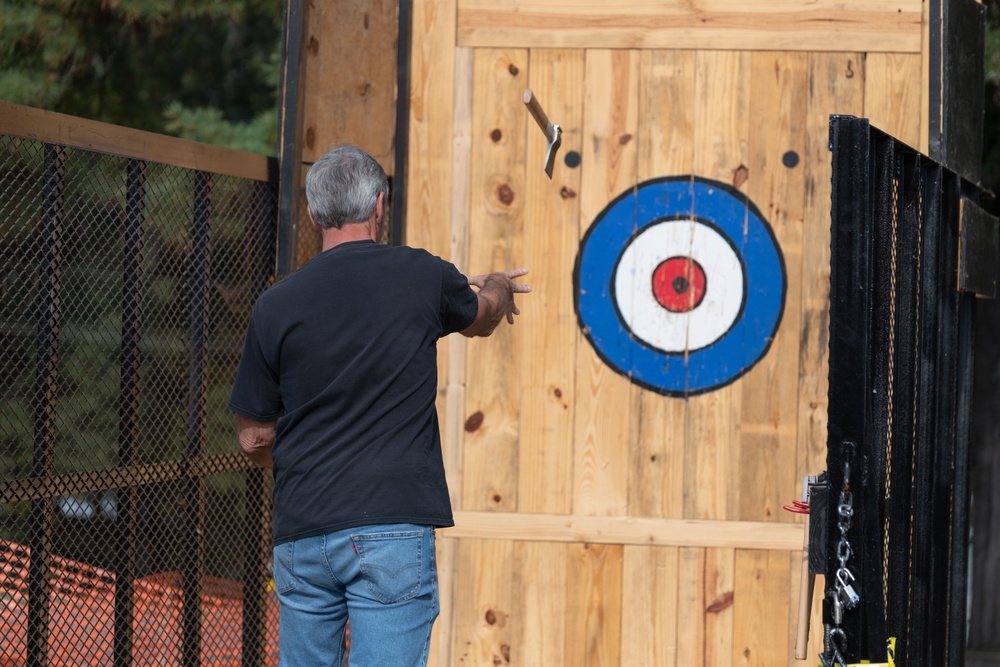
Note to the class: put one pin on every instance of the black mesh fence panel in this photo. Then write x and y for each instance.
(131, 529)
(901, 355)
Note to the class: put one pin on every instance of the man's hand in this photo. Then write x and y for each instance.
(256, 439)
(496, 300)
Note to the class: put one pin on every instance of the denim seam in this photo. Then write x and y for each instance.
(326, 562)
(292, 583)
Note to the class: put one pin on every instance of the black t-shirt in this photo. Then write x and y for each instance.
(343, 353)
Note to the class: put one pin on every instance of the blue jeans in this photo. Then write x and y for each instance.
(382, 577)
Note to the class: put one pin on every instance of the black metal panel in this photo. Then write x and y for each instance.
(903, 224)
(256, 546)
(401, 142)
(199, 286)
(290, 137)
(979, 250)
(962, 110)
(961, 493)
(934, 149)
(850, 316)
(50, 270)
(128, 408)
(900, 378)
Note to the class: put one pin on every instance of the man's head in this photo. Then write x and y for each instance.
(343, 187)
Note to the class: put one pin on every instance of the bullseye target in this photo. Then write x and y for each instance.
(680, 285)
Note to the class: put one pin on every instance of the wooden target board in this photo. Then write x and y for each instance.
(619, 458)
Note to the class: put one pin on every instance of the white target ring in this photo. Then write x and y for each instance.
(679, 285)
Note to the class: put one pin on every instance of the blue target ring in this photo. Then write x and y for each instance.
(673, 227)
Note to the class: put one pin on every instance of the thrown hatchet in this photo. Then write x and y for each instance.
(553, 133)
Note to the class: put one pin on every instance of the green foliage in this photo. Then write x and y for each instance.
(207, 125)
(165, 66)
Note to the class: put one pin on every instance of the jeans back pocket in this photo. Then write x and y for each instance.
(391, 564)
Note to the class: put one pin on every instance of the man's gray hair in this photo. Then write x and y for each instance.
(342, 187)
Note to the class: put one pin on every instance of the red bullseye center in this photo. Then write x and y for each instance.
(679, 284)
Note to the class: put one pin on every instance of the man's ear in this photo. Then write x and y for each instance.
(378, 222)
(312, 219)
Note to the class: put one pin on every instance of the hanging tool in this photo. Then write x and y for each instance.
(553, 133)
(808, 579)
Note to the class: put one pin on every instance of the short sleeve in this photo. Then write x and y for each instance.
(255, 392)
(459, 302)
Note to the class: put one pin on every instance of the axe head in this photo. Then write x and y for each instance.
(550, 153)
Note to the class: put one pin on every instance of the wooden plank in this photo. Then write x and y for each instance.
(925, 67)
(776, 183)
(496, 224)
(460, 206)
(442, 634)
(666, 127)
(428, 186)
(350, 78)
(789, 25)
(893, 84)
(538, 627)
(627, 530)
(761, 624)
(691, 606)
(705, 606)
(712, 434)
(548, 330)
(719, 615)
(836, 86)
(432, 91)
(593, 605)
(56, 128)
(604, 405)
(454, 371)
(483, 604)
(649, 606)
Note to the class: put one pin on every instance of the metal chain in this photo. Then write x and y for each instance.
(842, 596)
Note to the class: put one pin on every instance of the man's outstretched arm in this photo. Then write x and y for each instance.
(496, 300)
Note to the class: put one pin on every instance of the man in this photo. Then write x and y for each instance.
(335, 391)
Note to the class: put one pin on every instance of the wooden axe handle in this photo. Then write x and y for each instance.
(539, 115)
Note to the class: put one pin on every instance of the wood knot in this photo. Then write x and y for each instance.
(313, 47)
(721, 603)
(496, 135)
(558, 392)
(625, 138)
(491, 617)
(740, 175)
(310, 137)
(474, 421)
(512, 68)
(505, 194)
(567, 193)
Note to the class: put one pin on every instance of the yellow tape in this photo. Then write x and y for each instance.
(890, 649)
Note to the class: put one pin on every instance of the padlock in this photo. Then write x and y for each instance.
(836, 607)
(847, 591)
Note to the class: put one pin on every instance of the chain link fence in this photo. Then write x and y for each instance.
(131, 529)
